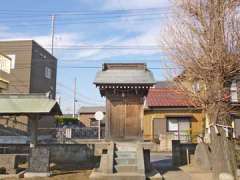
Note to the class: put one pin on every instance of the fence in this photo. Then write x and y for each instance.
(63, 134)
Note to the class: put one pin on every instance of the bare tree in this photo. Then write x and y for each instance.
(204, 40)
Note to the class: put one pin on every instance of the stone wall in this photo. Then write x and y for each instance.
(70, 153)
(179, 152)
(58, 152)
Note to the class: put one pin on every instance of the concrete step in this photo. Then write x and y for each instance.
(126, 147)
(123, 160)
(123, 154)
(123, 168)
(117, 176)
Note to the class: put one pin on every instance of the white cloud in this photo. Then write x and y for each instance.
(44, 40)
(150, 37)
(134, 4)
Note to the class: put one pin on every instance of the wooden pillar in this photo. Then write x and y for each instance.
(107, 119)
(33, 126)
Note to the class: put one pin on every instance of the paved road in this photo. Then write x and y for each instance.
(163, 163)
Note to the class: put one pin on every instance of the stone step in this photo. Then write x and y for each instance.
(123, 154)
(123, 168)
(126, 147)
(117, 176)
(126, 160)
(129, 176)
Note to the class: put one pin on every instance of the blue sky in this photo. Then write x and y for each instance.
(86, 31)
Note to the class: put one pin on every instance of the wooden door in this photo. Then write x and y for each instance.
(133, 117)
(117, 117)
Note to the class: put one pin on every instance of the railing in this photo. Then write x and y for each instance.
(63, 134)
(87, 132)
(183, 136)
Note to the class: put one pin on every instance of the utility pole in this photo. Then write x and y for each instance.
(74, 97)
(59, 101)
(53, 31)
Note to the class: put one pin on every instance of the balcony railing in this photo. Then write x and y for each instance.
(4, 80)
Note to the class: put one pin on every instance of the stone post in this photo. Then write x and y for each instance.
(33, 125)
(38, 162)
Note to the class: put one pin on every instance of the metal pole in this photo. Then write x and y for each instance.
(53, 31)
(74, 97)
(187, 154)
(99, 129)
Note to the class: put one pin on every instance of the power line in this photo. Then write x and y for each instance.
(97, 67)
(78, 93)
(82, 47)
(37, 11)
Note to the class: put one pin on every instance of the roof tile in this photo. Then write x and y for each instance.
(168, 97)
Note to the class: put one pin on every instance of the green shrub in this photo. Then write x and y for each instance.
(61, 120)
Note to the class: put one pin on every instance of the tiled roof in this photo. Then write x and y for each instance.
(125, 74)
(168, 97)
(91, 109)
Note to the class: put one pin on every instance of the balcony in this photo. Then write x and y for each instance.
(4, 80)
(5, 66)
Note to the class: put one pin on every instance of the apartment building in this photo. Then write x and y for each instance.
(33, 70)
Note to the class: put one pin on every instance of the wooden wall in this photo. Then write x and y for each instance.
(125, 117)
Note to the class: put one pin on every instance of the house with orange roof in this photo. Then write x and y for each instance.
(171, 115)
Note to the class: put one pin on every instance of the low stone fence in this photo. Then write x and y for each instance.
(63, 155)
(70, 153)
(14, 148)
(181, 152)
(59, 153)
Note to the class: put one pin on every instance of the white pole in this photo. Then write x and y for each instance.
(53, 31)
(187, 154)
(74, 97)
(99, 130)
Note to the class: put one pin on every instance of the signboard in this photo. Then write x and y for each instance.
(99, 115)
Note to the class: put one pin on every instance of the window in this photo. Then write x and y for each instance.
(48, 73)
(172, 125)
(233, 91)
(178, 124)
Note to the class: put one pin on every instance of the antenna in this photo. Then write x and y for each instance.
(53, 31)
(74, 97)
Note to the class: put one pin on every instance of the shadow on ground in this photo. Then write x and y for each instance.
(162, 162)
